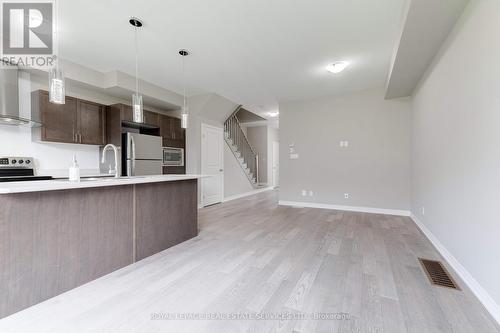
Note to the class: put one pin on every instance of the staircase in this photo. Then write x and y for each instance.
(241, 148)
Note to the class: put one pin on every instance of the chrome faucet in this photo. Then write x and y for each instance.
(103, 160)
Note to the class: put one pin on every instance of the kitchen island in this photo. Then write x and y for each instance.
(56, 235)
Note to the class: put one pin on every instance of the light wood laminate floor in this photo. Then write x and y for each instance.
(253, 256)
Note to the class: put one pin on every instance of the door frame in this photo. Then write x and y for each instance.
(277, 153)
(202, 155)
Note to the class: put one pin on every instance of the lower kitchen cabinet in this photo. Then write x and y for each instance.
(54, 241)
(167, 215)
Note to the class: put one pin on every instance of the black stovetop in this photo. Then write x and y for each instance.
(19, 174)
(23, 178)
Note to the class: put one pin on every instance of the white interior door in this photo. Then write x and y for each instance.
(212, 163)
(276, 163)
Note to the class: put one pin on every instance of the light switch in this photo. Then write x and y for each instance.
(294, 156)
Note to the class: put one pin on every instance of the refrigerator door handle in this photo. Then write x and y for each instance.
(130, 168)
(132, 147)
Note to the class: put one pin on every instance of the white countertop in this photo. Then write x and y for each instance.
(64, 184)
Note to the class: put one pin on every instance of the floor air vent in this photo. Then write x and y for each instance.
(437, 274)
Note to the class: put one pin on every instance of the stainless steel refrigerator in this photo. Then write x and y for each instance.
(142, 154)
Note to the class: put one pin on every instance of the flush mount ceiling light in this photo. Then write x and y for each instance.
(184, 114)
(137, 107)
(337, 67)
(273, 114)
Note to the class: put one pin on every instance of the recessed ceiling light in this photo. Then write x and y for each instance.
(273, 114)
(337, 67)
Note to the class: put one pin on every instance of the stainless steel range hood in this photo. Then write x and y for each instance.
(9, 98)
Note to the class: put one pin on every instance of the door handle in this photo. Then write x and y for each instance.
(220, 170)
(132, 147)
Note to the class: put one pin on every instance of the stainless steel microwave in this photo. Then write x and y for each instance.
(173, 156)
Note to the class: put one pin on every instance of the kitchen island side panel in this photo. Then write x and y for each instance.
(53, 241)
(167, 214)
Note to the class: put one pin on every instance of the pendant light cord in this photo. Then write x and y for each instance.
(136, 63)
(59, 36)
(184, 83)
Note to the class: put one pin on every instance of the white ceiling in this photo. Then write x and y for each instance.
(256, 53)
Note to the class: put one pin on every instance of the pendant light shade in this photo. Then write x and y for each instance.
(57, 87)
(137, 106)
(184, 114)
(184, 119)
(57, 84)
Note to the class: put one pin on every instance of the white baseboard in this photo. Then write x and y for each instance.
(488, 302)
(246, 194)
(346, 208)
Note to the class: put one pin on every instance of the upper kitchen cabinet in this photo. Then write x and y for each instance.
(152, 118)
(76, 121)
(119, 116)
(171, 131)
(91, 123)
(166, 127)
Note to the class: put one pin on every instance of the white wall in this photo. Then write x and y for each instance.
(257, 137)
(235, 180)
(374, 170)
(212, 109)
(456, 146)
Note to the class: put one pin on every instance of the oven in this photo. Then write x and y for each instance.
(173, 156)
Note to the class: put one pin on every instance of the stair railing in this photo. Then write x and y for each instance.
(232, 127)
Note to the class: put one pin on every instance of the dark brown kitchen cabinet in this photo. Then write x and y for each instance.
(59, 120)
(91, 123)
(126, 112)
(76, 121)
(171, 131)
(166, 127)
(151, 118)
(177, 129)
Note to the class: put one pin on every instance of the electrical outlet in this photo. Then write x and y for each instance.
(311, 193)
(423, 210)
(346, 195)
(346, 144)
(304, 193)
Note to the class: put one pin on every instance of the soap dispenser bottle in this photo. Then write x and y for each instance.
(74, 171)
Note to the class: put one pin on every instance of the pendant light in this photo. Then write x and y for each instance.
(137, 107)
(184, 114)
(57, 86)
